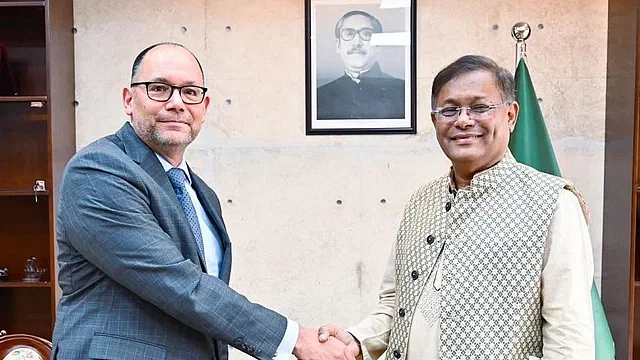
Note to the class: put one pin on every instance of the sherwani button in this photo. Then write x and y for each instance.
(401, 312)
(431, 239)
(448, 206)
(396, 354)
(414, 275)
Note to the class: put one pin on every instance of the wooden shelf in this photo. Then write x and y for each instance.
(20, 284)
(23, 193)
(21, 3)
(37, 138)
(40, 98)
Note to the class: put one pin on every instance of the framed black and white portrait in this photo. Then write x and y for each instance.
(360, 66)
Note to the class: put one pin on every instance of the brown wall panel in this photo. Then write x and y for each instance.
(618, 191)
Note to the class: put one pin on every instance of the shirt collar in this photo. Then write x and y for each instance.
(488, 177)
(167, 166)
(374, 72)
(355, 76)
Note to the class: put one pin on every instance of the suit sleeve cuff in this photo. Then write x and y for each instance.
(285, 349)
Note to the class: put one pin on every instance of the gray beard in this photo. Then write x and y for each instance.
(153, 137)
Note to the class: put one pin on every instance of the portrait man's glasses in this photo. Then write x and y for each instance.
(348, 34)
(475, 112)
(190, 94)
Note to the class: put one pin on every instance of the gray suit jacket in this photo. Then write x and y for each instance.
(132, 283)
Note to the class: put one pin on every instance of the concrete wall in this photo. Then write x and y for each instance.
(295, 248)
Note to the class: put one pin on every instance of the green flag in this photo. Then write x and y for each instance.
(530, 144)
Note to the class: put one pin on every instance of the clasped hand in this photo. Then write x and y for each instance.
(328, 342)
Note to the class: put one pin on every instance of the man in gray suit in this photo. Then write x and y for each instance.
(144, 257)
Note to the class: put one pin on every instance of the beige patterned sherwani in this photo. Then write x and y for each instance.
(499, 270)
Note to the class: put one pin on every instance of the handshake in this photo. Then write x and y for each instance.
(328, 342)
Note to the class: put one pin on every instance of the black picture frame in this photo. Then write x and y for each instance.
(381, 100)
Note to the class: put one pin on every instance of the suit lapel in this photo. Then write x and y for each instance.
(205, 196)
(209, 201)
(142, 154)
(146, 158)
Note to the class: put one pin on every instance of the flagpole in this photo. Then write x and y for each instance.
(531, 145)
(520, 33)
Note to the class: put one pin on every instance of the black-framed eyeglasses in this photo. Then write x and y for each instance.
(159, 91)
(475, 112)
(348, 34)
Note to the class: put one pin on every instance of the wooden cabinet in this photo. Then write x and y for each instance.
(37, 138)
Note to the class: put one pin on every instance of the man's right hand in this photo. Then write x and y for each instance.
(308, 347)
(327, 331)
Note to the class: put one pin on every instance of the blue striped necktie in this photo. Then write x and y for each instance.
(178, 178)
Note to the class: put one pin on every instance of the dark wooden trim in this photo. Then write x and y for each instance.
(619, 212)
(19, 284)
(4, 192)
(21, 3)
(5, 99)
(61, 90)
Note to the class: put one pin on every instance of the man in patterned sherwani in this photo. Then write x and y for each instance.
(491, 261)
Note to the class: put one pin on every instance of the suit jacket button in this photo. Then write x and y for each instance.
(447, 206)
(396, 354)
(414, 275)
(401, 312)
(431, 239)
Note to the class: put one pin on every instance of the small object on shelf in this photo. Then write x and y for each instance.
(32, 272)
(4, 274)
(39, 186)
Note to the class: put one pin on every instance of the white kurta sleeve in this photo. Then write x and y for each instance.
(373, 331)
(567, 275)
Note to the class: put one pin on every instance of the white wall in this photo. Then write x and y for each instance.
(295, 248)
